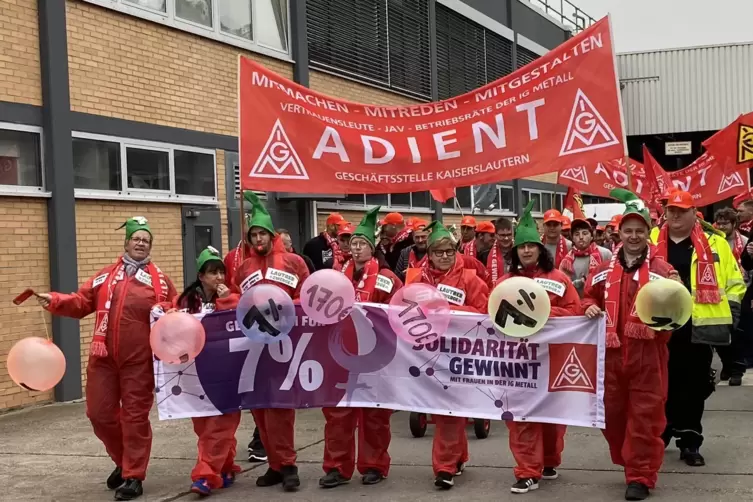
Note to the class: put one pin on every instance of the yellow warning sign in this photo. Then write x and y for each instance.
(745, 144)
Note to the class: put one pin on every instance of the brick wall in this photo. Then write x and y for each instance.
(99, 244)
(126, 67)
(24, 263)
(20, 77)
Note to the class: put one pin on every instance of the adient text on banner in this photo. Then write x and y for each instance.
(561, 110)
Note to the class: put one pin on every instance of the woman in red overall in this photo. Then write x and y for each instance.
(120, 374)
(445, 269)
(537, 447)
(374, 283)
(215, 465)
(269, 263)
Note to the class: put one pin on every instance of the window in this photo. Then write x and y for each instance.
(525, 56)
(506, 199)
(592, 199)
(498, 56)
(106, 167)
(20, 159)
(463, 199)
(96, 164)
(382, 41)
(416, 200)
(258, 25)
(543, 200)
(532, 196)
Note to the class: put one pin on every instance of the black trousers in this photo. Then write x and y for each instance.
(733, 355)
(690, 384)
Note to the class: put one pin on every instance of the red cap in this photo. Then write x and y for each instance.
(393, 219)
(615, 221)
(334, 219)
(565, 222)
(468, 221)
(552, 215)
(600, 228)
(681, 199)
(419, 224)
(485, 227)
(346, 229)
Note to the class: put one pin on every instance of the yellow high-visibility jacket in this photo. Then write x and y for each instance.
(713, 323)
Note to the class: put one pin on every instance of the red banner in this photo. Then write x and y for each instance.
(561, 110)
(703, 178)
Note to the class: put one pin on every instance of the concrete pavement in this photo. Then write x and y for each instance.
(50, 454)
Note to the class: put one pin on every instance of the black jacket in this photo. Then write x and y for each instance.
(319, 252)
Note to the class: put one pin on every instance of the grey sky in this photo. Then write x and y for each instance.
(660, 24)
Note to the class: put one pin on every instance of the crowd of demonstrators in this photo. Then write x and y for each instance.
(656, 383)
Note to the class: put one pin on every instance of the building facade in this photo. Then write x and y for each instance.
(116, 108)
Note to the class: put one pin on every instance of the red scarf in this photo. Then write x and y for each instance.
(469, 248)
(592, 251)
(400, 237)
(338, 260)
(365, 287)
(98, 347)
(739, 247)
(413, 261)
(613, 304)
(561, 250)
(706, 288)
(746, 226)
(495, 263)
(454, 277)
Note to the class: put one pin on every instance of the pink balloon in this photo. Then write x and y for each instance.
(327, 296)
(177, 338)
(36, 364)
(419, 313)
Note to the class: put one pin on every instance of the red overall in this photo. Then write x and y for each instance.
(276, 425)
(119, 386)
(635, 384)
(450, 445)
(216, 434)
(232, 261)
(536, 445)
(373, 424)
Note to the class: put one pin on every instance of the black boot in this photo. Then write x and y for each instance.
(636, 491)
(332, 479)
(692, 457)
(132, 489)
(270, 478)
(115, 479)
(372, 477)
(290, 479)
(735, 380)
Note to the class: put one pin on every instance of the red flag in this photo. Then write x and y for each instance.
(733, 146)
(747, 195)
(573, 200)
(656, 173)
(443, 194)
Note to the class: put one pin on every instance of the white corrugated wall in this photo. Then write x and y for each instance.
(686, 90)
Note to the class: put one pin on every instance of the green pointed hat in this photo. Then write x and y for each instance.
(259, 215)
(133, 225)
(209, 254)
(438, 232)
(527, 232)
(367, 227)
(634, 206)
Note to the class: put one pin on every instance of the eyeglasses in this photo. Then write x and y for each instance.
(141, 240)
(358, 244)
(439, 253)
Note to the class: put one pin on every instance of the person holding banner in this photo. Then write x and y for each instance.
(710, 272)
(269, 263)
(323, 250)
(467, 292)
(415, 255)
(635, 379)
(373, 283)
(537, 447)
(119, 375)
(553, 239)
(585, 255)
(215, 466)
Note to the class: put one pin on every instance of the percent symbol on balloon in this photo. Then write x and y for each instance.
(310, 373)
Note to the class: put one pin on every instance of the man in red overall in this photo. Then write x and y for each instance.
(269, 263)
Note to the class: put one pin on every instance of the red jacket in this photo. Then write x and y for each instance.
(596, 280)
(283, 269)
(568, 304)
(231, 261)
(462, 278)
(380, 296)
(129, 325)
